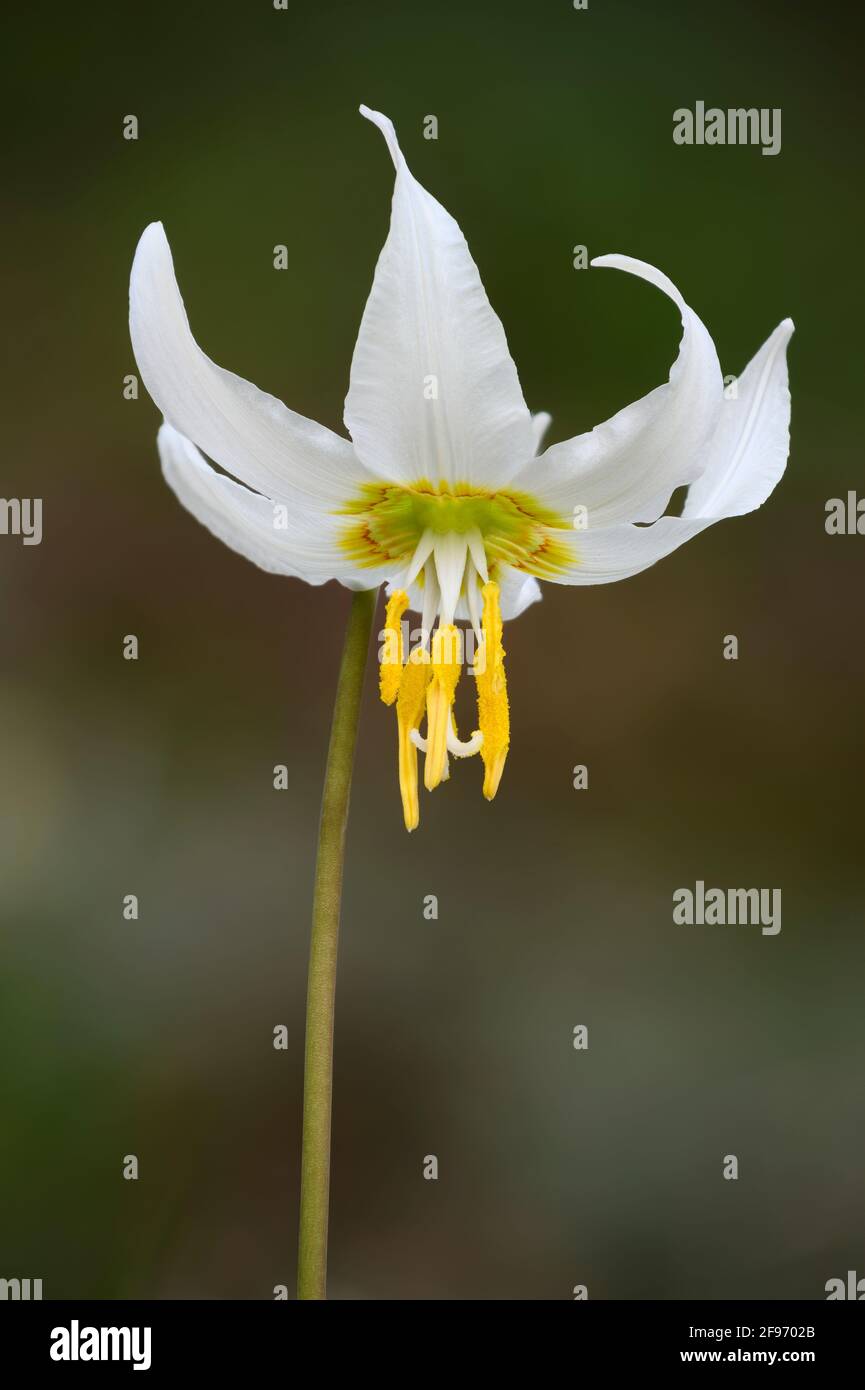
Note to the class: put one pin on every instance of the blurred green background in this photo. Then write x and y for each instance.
(453, 1037)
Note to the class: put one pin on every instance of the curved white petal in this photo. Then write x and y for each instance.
(746, 457)
(434, 392)
(251, 524)
(627, 468)
(743, 462)
(541, 422)
(247, 432)
(517, 592)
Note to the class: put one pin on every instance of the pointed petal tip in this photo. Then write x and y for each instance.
(644, 270)
(154, 232)
(779, 338)
(377, 117)
(385, 125)
(619, 261)
(152, 244)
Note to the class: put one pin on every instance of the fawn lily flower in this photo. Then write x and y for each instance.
(443, 492)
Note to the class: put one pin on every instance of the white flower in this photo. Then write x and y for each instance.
(442, 492)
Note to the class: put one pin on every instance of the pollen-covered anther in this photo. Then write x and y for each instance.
(493, 713)
(410, 705)
(445, 664)
(391, 659)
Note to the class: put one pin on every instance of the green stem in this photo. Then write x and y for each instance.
(321, 988)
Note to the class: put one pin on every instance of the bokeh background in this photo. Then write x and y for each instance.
(454, 1037)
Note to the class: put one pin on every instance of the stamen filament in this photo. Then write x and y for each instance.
(431, 597)
(421, 555)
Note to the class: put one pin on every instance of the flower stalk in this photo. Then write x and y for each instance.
(321, 987)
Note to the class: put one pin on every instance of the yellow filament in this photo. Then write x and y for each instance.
(439, 701)
(390, 669)
(410, 705)
(493, 715)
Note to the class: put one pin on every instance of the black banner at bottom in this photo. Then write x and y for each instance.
(169, 1339)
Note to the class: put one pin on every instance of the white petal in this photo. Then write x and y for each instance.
(747, 454)
(250, 523)
(250, 434)
(627, 468)
(434, 393)
(540, 424)
(517, 592)
(743, 461)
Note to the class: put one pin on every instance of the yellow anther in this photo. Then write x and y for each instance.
(410, 705)
(390, 669)
(493, 715)
(439, 701)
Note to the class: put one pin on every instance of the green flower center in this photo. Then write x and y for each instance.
(389, 520)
